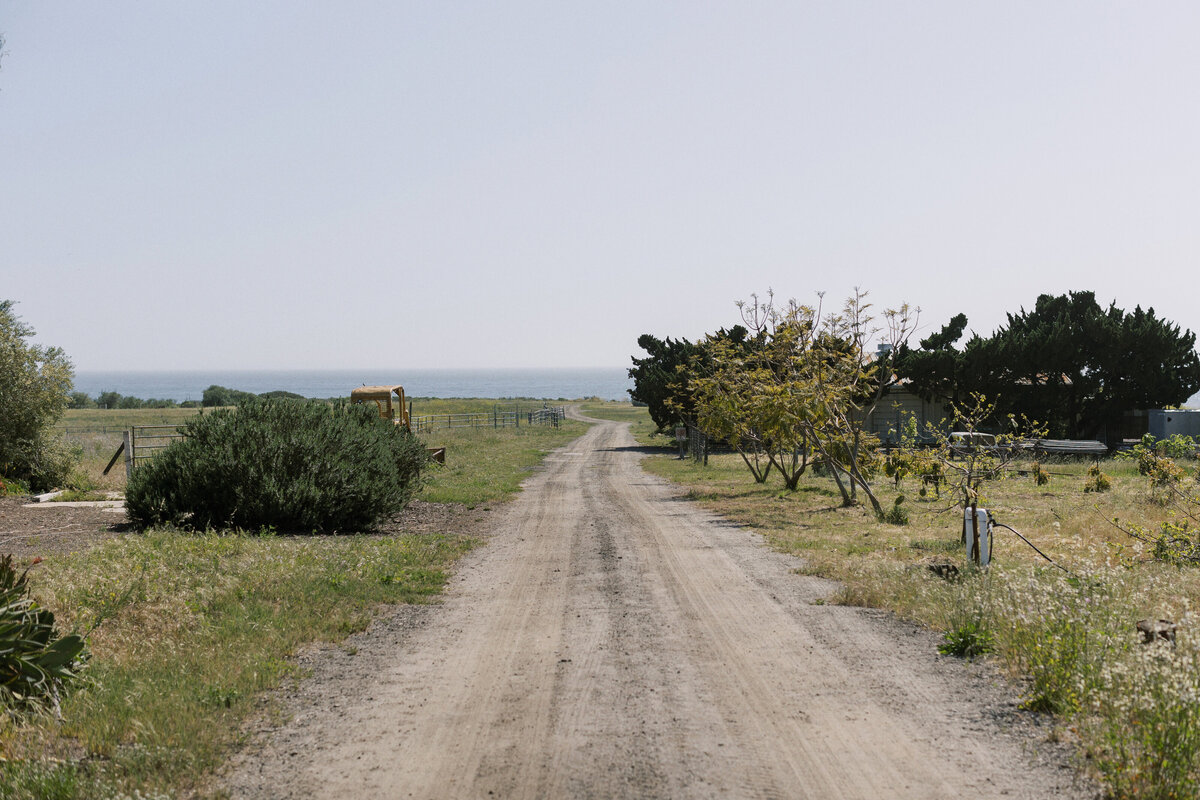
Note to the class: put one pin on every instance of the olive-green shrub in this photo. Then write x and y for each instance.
(35, 382)
(292, 466)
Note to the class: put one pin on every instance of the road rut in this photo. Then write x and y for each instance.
(613, 640)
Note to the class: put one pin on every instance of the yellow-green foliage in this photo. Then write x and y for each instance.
(1040, 476)
(1097, 481)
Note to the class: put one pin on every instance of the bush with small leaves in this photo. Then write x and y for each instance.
(1097, 481)
(294, 466)
(897, 514)
(1040, 476)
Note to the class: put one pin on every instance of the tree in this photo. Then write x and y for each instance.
(662, 380)
(739, 393)
(1068, 362)
(35, 383)
(935, 370)
(221, 396)
(852, 381)
(803, 388)
(81, 400)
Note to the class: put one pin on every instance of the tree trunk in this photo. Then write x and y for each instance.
(760, 473)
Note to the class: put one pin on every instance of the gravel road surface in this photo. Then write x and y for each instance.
(613, 640)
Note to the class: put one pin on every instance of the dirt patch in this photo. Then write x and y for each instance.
(51, 529)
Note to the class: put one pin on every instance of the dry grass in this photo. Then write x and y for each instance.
(1072, 527)
(1065, 634)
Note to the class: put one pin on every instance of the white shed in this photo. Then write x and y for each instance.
(1165, 422)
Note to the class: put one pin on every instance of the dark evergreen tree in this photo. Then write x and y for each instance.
(1068, 363)
(662, 379)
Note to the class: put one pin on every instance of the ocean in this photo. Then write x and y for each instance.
(607, 383)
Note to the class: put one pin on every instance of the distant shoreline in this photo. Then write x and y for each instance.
(608, 383)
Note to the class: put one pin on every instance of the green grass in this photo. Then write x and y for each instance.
(644, 430)
(190, 629)
(487, 465)
(96, 434)
(475, 405)
(79, 495)
(91, 419)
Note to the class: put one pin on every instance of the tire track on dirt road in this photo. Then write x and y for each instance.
(612, 640)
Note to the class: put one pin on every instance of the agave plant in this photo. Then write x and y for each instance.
(37, 664)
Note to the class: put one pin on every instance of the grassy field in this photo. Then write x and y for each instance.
(190, 630)
(1064, 632)
(487, 465)
(97, 435)
(643, 428)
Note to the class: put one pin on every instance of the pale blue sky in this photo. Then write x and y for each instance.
(390, 185)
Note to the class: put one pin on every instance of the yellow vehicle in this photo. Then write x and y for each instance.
(383, 396)
(392, 405)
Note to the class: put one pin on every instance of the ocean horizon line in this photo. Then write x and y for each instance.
(609, 383)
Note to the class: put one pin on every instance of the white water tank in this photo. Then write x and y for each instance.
(985, 535)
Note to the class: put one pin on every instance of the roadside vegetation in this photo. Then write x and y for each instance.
(299, 466)
(186, 631)
(487, 465)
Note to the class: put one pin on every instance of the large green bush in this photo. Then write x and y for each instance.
(34, 386)
(292, 466)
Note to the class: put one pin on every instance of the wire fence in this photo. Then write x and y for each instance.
(499, 417)
(142, 442)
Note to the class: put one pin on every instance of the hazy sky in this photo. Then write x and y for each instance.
(257, 184)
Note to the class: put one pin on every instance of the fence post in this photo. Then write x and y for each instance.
(127, 437)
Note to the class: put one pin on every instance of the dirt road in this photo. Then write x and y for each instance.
(612, 640)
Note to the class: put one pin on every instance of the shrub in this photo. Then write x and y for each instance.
(36, 663)
(1176, 446)
(292, 466)
(897, 514)
(35, 383)
(1097, 481)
